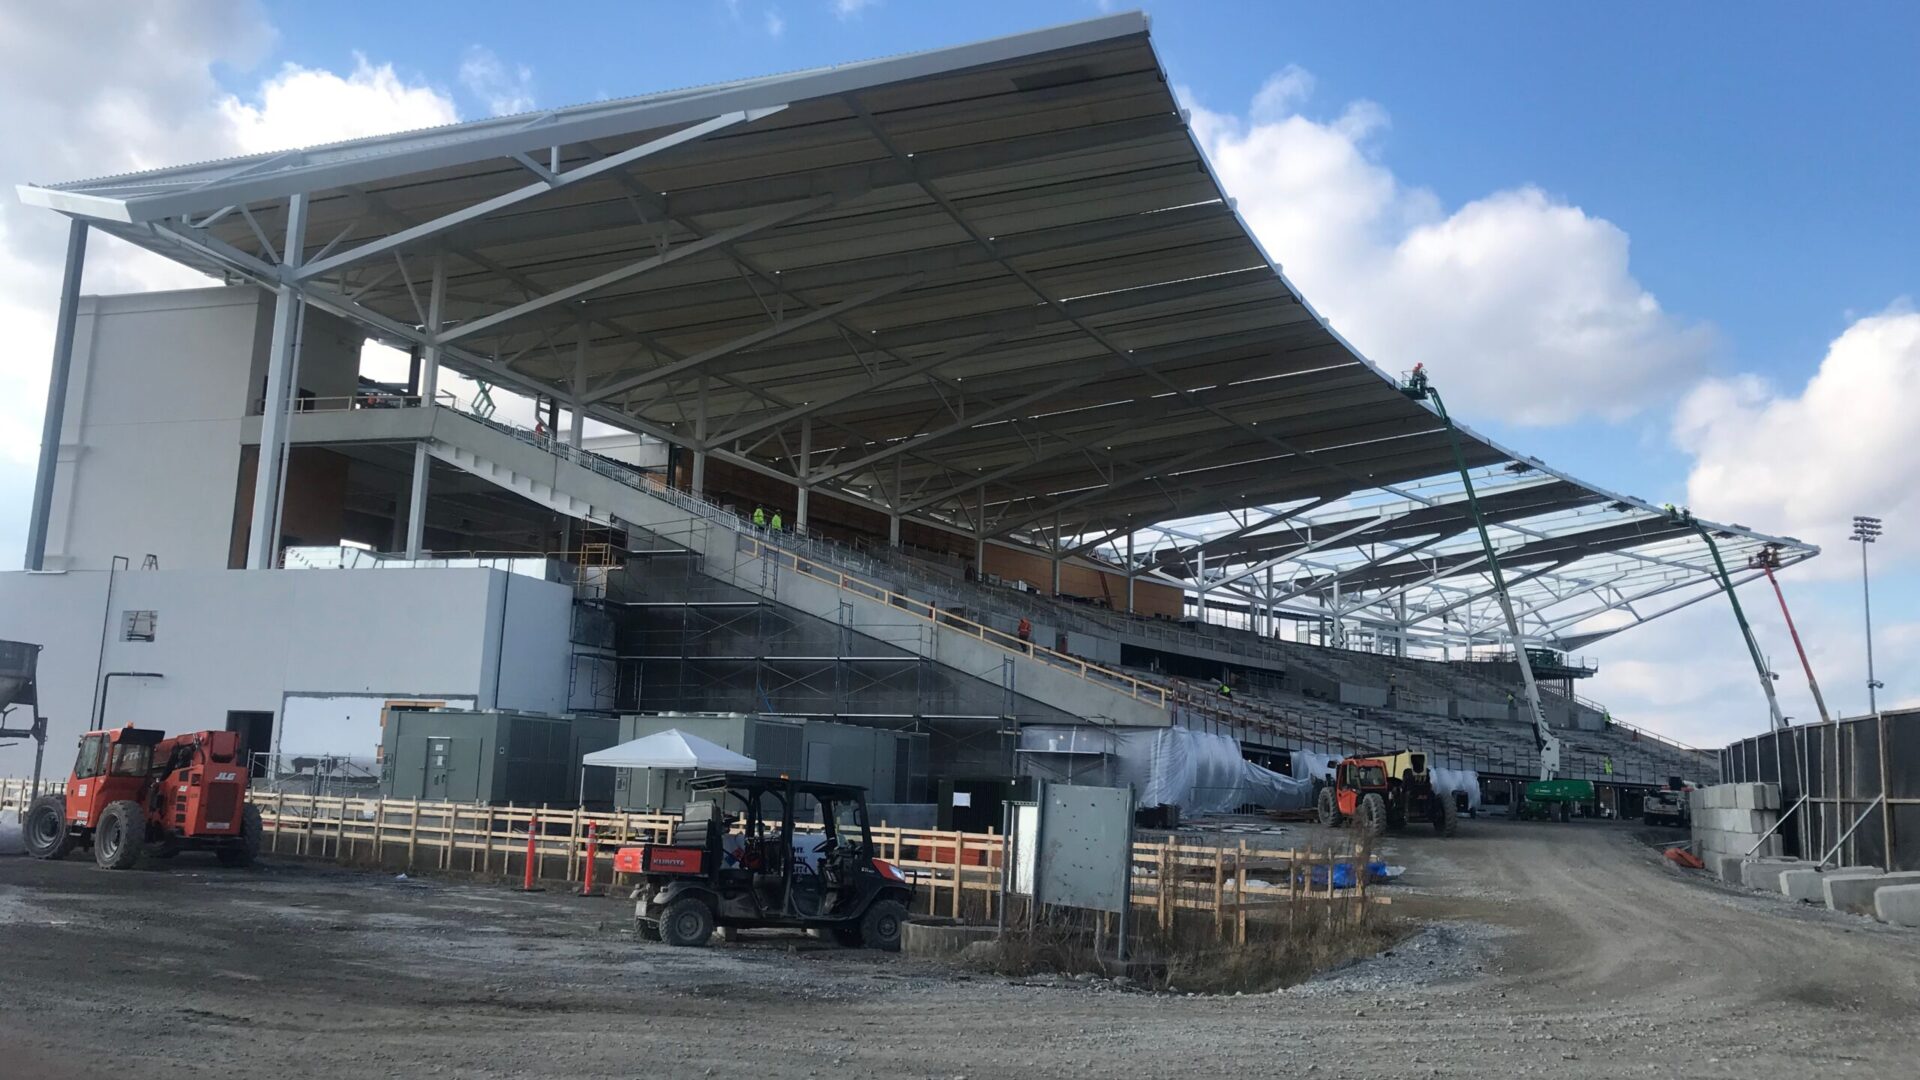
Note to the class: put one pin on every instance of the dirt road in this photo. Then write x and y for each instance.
(1597, 960)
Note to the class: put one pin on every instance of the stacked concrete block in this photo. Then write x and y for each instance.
(1764, 874)
(1898, 904)
(1854, 895)
(1729, 819)
(1810, 885)
(1727, 867)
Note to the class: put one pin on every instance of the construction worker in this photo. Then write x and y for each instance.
(1226, 689)
(774, 522)
(1606, 764)
(1026, 629)
(759, 517)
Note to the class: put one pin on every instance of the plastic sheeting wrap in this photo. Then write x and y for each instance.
(1450, 780)
(1314, 765)
(1199, 772)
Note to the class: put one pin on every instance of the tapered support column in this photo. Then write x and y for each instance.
(700, 440)
(801, 490)
(263, 546)
(429, 386)
(56, 395)
(1130, 571)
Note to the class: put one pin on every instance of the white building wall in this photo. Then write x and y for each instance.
(245, 640)
(150, 448)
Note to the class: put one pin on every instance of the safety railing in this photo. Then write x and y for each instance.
(956, 874)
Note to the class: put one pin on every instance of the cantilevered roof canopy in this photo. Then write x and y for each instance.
(996, 286)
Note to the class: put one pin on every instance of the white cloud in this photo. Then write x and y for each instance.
(91, 91)
(1522, 305)
(1805, 462)
(774, 23)
(505, 90)
(847, 9)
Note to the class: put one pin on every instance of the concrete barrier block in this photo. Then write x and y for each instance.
(1807, 885)
(1854, 895)
(1726, 866)
(1898, 905)
(1764, 874)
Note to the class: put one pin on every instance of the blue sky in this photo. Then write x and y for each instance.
(1732, 185)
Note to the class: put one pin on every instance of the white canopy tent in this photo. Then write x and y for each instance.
(669, 749)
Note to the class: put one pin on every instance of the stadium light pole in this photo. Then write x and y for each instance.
(1867, 530)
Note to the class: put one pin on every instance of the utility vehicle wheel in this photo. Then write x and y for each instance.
(1373, 815)
(1566, 811)
(882, 927)
(45, 829)
(1329, 807)
(120, 837)
(242, 850)
(1448, 822)
(848, 936)
(648, 931)
(687, 922)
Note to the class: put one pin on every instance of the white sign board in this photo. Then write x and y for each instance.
(1085, 849)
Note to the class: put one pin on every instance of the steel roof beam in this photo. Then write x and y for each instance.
(550, 182)
(632, 270)
(607, 389)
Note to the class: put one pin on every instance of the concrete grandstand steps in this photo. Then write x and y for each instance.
(790, 571)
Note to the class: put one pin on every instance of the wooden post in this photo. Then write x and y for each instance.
(279, 815)
(1240, 896)
(379, 820)
(1219, 892)
(413, 832)
(959, 846)
(487, 863)
(573, 844)
(1165, 898)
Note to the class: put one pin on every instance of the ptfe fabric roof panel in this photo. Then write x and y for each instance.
(996, 285)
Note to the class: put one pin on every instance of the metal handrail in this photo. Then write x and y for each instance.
(797, 545)
(1138, 689)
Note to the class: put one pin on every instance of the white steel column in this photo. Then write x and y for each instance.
(1200, 579)
(893, 530)
(800, 475)
(263, 548)
(1130, 568)
(429, 386)
(980, 538)
(699, 485)
(577, 427)
(56, 394)
(1056, 553)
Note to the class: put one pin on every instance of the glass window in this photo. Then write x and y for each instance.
(131, 760)
(92, 759)
(1368, 776)
(849, 822)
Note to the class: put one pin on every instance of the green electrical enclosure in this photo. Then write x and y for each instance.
(495, 757)
(891, 765)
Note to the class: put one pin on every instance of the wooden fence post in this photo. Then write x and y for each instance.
(1240, 896)
(959, 846)
(1219, 892)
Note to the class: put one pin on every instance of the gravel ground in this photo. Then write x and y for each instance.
(1548, 950)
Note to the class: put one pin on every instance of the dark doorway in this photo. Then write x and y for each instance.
(256, 739)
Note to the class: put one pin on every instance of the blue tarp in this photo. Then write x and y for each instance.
(1343, 875)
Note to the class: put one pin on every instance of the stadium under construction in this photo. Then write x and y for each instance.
(944, 394)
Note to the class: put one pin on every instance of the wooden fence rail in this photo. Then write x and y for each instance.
(957, 874)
